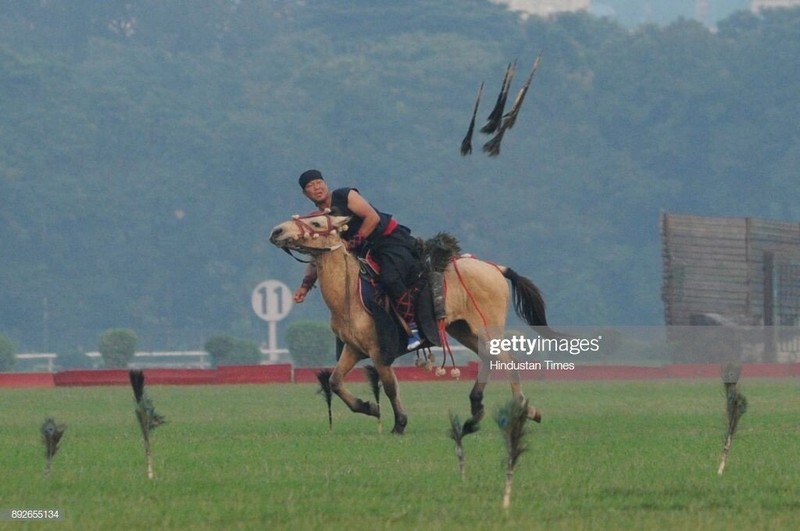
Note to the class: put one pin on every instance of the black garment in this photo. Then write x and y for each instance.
(400, 264)
(395, 249)
(339, 208)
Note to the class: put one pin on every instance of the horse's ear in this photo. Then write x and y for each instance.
(339, 221)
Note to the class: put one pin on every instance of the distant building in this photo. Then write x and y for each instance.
(544, 8)
(758, 5)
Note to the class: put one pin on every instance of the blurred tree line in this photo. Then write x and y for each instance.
(147, 148)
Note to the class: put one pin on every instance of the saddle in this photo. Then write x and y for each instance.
(436, 253)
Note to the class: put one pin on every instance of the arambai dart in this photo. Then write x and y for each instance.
(475, 304)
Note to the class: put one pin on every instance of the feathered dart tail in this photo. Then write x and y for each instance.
(324, 379)
(736, 405)
(146, 415)
(374, 380)
(511, 421)
(457, 432)
(137, 383)
(466, 144)
(495, 117)
(51, 436)
(492, 147)
(511, 117)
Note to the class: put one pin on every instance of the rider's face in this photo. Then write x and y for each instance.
(316, 190)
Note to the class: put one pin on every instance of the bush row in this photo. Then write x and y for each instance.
(310, 344)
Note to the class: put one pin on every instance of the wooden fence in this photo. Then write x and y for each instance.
(730, 271)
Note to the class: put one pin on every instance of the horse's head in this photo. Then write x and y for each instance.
(310, 234)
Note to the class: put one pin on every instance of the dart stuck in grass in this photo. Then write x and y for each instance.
(511, 420)
(457, 432)
(51, 437)
(324, 379)
(146, 414)
(374, 380)
(736, 405)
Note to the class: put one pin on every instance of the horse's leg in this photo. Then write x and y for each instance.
(514, 380)
(516, 388)
(390, 387)
(346, 362)
(462, 332)
(476, 394)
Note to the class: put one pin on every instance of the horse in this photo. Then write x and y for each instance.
(476, 303)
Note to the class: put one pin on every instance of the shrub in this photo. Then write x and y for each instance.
(7, 351)
(117, 347)
(311, 343)
(227, 350)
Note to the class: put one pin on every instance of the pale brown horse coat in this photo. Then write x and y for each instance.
(476, 305)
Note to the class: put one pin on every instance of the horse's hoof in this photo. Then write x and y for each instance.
(400, 426)
(534, 414)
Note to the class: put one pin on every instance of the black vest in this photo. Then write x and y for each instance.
(339, 208)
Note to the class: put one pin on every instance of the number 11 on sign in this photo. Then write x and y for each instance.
(272, 301)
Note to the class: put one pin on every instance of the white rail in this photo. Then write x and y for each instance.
(49, 356)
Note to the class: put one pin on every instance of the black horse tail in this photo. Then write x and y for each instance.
(529, 303)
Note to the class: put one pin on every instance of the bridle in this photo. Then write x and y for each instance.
(309, 231)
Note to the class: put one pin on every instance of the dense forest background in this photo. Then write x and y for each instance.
(146, 150)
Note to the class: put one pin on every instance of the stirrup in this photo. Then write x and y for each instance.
(414, 341)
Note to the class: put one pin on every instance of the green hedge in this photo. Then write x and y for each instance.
(311, 344)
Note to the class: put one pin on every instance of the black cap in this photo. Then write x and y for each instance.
(308, 176)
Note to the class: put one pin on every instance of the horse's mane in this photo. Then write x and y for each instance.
(438, 250)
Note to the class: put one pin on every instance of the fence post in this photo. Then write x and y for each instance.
(769, 307)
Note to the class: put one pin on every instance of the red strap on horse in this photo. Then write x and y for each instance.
(442, 328)
(469, 293)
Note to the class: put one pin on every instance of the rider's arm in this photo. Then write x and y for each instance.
(309, 279)
(361, 208)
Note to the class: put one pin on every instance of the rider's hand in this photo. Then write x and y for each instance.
(300, 294)
(354, 244)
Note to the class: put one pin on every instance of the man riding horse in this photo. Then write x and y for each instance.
(369, 230)
(476, 301)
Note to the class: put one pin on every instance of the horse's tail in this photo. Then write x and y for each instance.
(528, 302)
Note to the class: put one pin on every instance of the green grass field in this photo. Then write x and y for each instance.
(609, 455)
